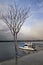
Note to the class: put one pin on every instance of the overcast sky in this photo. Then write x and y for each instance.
(33, 27)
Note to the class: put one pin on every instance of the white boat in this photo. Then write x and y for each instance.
(26, 47)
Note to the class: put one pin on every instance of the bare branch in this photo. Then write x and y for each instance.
(22, 17)
(15, 18)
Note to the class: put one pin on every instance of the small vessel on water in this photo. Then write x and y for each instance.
(27, 47)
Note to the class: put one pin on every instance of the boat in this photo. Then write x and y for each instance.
(27, 47)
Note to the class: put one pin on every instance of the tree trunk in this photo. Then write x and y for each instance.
(16, 49)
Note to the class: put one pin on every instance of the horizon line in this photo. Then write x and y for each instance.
(21, 40)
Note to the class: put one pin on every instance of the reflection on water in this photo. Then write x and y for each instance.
(7, 50)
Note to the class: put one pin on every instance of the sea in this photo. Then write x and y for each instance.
(7, 50)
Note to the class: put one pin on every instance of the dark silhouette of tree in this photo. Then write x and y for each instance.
(14, 18)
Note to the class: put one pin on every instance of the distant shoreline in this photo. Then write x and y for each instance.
(21, 40)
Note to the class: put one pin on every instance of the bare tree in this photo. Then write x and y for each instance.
(14, 18)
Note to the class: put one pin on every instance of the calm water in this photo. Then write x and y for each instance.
(7, 50)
